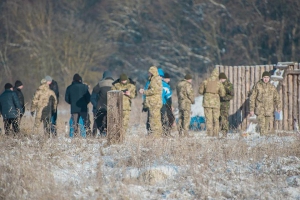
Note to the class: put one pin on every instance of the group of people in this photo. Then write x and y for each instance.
(217, 92)
(43, 106)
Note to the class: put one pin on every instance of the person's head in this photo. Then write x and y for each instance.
(48, 79)
(77, 78)
(266, 77)
(106, 75)
(188, 78)
(153, 71)
(19, 84)
(43, 81)
(222, 77)
(8, 86)
(167, 77)
(123, 78)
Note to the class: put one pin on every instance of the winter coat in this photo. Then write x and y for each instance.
(167, 92)
(21, 98)
(99, 94)
(44, 102)
(185, 95)
(212, 89)
(118, 85)
(154, 92)
(9, 105)
(54, 86)
(264, 99)
(78, 96)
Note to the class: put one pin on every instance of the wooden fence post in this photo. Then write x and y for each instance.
(115, 117)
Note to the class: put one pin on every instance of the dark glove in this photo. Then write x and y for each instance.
(145, 109)
(32, 113)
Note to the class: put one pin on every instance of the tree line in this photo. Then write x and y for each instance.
(60, 38)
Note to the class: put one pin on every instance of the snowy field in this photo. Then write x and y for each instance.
(200, 167)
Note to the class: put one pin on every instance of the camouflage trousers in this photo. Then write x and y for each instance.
(264, 124)
(184, 122)
(46, 124)
(125, 120)
(224, 115)
(155, 121)
(212, 121)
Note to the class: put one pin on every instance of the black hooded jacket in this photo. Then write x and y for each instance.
(20, 97)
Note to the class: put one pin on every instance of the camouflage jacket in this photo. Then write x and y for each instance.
(185, 95)
(229, 91)
(154, 91)
(212, 90)
(264, 98)
(44, 101)
(126, 98)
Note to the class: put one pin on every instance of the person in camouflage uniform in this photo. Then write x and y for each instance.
(264, 98)
(44, 103)
(186, 97)
(153, 101)
(127, 86)
(225, 103)
(212, 89)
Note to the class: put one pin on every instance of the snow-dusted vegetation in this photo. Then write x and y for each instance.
(200, 167)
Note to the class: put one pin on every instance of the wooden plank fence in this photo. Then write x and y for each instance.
(243, 79)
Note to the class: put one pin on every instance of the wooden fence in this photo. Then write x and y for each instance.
(243, 79)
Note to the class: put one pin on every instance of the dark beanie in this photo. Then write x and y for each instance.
(123, 77)
(266, 73)
(188, 77)
(76, 77)
(222, 76)
(167, 75)
(8, 86)
(18, 83)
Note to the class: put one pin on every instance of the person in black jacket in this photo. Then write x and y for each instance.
(78, 96)
(17, 89)
(53, 86)
(99, 101)
(10, 109)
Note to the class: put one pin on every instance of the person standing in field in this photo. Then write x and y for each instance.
(263, 100)
(186, 98)
(44, 103)
(10, 109)
(78, 96)
(168, 119)
(127, 86)
(153, 101)
(225, 104)
(212, 90)
(99, 102)
(53, 86)
(18, 90)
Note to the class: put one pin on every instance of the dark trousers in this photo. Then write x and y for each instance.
(14, 122)
(100, 122)
(167, 118)
(75, 118)
(53, 123)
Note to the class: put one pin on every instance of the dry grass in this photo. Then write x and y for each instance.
(37, 167)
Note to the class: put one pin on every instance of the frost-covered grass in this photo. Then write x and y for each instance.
(200, 167)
